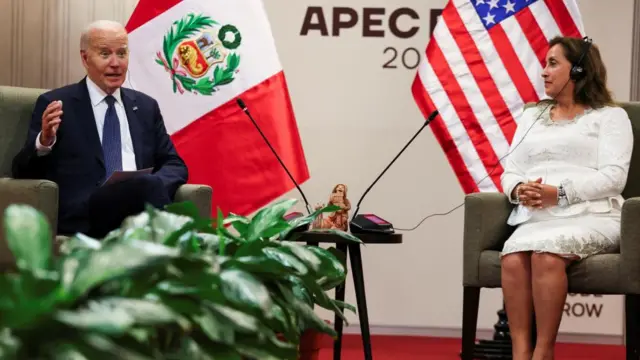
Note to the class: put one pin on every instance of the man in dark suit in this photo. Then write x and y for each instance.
(82, 133)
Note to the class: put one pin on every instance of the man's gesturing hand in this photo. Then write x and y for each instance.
(50, 122)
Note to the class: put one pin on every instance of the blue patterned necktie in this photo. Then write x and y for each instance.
(111, 143)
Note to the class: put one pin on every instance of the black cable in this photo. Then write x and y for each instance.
(494, 167)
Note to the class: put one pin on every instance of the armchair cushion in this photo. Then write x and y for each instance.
(599, 274)
(199, 195)
(485, 228)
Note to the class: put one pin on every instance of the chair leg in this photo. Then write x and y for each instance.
(470, 304)
(632, 324)
(361, 298)
(340, 290)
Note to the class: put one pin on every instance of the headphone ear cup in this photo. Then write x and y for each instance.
(576, 73)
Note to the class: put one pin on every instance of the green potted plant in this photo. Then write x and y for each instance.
(166, 285)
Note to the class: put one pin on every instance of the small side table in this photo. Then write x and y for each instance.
(353, 250)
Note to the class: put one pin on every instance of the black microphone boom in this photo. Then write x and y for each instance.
(372, 223)
(246, 111)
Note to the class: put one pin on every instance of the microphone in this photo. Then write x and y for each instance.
(370, 223)
(244, 108)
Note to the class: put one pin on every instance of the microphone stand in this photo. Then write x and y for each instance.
(388, 166)
(244, 108)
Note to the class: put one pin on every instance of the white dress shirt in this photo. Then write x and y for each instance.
(97, 97)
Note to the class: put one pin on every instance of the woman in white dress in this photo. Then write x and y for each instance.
(567, 167)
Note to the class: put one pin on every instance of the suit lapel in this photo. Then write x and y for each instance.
(131, 108)
(87, 121)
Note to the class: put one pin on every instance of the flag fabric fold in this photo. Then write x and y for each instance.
(482, 64)
(196, 57)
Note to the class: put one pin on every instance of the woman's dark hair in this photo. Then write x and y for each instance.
(590, 90)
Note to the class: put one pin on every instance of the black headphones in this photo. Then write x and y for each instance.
(577, 71)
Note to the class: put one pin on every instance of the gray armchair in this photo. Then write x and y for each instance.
(16, 106)
(486, 230)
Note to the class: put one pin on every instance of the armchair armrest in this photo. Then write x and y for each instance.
(485, 228)
(199, 195)
(41, 194)
(630, 244)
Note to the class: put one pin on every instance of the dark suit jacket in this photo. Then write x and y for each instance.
(76, 162)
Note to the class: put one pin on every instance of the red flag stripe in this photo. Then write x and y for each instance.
(147, 10)
(513, 67)
(223, 149)
(444, 138)
(480, 72)
(563, 18)
(534, 34)
(468, 118)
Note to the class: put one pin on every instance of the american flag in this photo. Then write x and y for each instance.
(483, 63)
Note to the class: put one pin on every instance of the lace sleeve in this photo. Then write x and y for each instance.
(513, 174)
(615, 144)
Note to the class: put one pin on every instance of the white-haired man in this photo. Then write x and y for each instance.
(82, 133)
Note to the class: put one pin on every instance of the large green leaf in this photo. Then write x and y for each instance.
(310, 317)
(100, 320)
(286, 318)
(307, 256)
(245, 290)
(66, 351)
(342, 304)
(267, 218)
(299, 290)
(306, 312)
(79, 242)
(114, 260)
(321, 297)
(240, 223)
(167, 227)
(9, 345)
(216, 328)
(108, 349)
(183, 305)
(332, 272)
(26, 299)
(272, 349)
(240, 321)
(260, 266)
(196, 348)
(145, 312)
(253, 248)
(286, 259)
(29, 237)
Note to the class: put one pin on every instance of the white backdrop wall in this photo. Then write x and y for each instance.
(354, 115)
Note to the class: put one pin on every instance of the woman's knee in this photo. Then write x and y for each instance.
(547, 262)
(516, 263)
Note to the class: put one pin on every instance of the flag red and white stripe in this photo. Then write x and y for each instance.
(218, 142)
(482, 65)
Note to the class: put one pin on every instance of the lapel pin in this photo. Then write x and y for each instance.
(135, 108)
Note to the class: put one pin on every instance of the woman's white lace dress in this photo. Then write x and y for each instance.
(590, 156)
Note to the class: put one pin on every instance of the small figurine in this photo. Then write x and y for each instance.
(340, 218)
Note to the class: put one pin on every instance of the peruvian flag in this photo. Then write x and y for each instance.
(196, 57)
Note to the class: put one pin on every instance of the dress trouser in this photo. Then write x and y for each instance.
(112, 203)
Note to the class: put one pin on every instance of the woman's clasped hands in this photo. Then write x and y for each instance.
(535, 194)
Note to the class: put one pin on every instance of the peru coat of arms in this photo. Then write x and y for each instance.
(200, 54)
